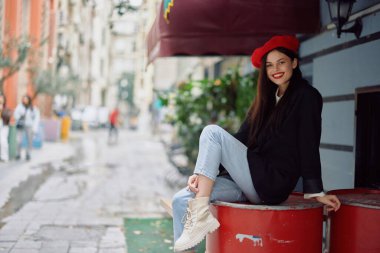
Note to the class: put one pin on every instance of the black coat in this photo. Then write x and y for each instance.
(279, 159)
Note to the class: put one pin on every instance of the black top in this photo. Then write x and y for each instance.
(279, 159)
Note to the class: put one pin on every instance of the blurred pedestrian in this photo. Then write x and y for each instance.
(113, 126)
(27, 123)
(156, 109)
(4, 129)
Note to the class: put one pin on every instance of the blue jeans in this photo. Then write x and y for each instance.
(217, 146)
(22, 133)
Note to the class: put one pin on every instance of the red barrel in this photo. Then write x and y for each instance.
(355, 228)
(292, 227)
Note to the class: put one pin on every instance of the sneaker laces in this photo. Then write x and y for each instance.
(188, 219)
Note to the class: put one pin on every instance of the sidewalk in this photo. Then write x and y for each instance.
(81, 203)
(14, 173)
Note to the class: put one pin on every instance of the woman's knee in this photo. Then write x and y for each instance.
(210, 130)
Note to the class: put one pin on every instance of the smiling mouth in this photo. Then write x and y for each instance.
(278, 75)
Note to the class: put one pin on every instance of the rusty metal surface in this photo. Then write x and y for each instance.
(294, 202)
(293, 227)
(355, 228)
(359, 197)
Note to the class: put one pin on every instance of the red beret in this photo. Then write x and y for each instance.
(287, 41)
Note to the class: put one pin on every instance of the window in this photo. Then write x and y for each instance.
(206, 74)
(25, 17)
(367, 158)
(217, 69)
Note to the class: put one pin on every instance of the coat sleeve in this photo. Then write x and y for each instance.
(17, 113)
(309, 135)
(242, 133)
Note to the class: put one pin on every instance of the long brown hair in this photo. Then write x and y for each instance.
(29, 103)
(263, 113)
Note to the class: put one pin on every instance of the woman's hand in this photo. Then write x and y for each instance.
(192, 183)
(331, 201)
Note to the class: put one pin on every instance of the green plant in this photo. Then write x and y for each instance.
(13, 53)
(223, 101)
(47, 82)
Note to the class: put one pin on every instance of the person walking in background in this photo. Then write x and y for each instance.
(27, 119)
(4, 129)
(156, 110)
(114, 123)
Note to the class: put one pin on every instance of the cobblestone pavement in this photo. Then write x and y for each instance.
(80, 205)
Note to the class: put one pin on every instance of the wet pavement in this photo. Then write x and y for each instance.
(77, 201)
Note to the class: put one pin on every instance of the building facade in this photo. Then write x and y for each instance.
(345, 71)
(34, 20)
(84, 41)
(68, 38)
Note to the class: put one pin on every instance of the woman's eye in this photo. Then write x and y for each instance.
(282, 62)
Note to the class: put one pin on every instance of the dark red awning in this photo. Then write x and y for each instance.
(228, 27)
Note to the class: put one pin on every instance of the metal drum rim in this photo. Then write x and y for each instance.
(342, 192)
(267, 207)
(361, 205)
(356, 191)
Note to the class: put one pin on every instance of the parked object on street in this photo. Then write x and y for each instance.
(84, 117)
(133, 117)
(51, 129)
(356, 227)
(133, 122)
(12, 141)
(27, 119)
(90, 116)
(76, 118)
(293, 226)
(65, 127)
(103, 114)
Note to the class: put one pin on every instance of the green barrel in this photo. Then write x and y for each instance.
(12, 140)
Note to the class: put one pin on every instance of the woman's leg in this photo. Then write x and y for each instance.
(29, 137)
(224, 190)
(20, 135)
(217, 146)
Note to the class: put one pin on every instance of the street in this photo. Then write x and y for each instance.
(82, 200)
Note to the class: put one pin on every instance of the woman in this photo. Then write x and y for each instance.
(27, 122)
(276, 145)
(4, 129)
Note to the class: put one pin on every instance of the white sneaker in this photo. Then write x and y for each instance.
(199, 222)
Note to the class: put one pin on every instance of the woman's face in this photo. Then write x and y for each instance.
(25, 100)
(279, 67)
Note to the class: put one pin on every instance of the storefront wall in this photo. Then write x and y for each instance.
(336, 67)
